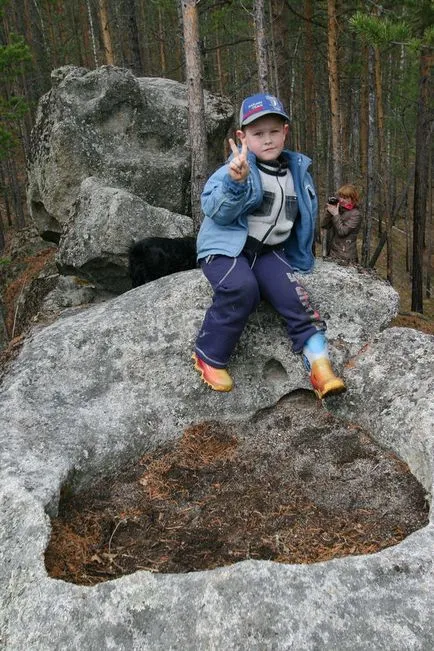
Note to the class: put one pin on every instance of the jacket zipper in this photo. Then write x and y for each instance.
(282, 198)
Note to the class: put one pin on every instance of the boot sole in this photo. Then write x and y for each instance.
(333, 389)
(215, 387)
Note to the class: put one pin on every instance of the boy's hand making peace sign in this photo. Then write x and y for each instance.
(239, 167)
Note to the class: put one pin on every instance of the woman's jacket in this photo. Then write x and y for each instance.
(344, 228)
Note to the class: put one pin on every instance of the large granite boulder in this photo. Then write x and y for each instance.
(130, 132)
(120, 373)
(105, 384)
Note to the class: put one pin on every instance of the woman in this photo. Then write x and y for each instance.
(343, 219)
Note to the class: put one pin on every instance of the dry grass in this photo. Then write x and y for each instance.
(29, 268)
(199, 446)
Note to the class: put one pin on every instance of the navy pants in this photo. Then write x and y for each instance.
(239, 284)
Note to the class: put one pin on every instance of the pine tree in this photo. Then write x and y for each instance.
(196, 106)
(13, 107)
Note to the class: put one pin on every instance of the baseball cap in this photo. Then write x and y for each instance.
(256, 106)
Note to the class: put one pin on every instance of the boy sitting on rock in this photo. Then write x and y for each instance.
(260, 211)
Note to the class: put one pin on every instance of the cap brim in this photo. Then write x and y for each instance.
(261, 114)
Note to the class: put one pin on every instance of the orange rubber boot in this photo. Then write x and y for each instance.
(216, 378)
(324, 381)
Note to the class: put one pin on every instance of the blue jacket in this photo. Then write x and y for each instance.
(226, 204)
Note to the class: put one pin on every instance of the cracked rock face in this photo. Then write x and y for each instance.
(104, 222)
(130, 132)
(107, 383)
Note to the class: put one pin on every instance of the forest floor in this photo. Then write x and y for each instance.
(214, 497)
(402, 282)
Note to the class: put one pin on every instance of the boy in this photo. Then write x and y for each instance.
(258, 228)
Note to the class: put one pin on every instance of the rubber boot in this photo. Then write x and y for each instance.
(216, 378)
(316, 360)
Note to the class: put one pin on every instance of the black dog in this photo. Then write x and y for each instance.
(155, 257)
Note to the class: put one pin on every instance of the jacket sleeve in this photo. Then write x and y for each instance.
(222, 198)
(346, 222)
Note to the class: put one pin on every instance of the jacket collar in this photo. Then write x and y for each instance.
(294, 158)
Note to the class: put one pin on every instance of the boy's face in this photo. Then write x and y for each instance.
(265, 137)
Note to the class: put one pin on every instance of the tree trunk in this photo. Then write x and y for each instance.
(408, 246)
(280, 22)
(274, 85)
(105, 31)
(309, 84)
(134, 59)
(364, 113)
(428, 291)
(52, 37)
(295, 126)
(146, 37)
(4, 186)
(196, 107)
(73, 22)
(332, 61)
(384, 207)
(369, 193)
(421, 181)
(92, 33)
(220, 77)
(350, 121)
(84, 25)
(261, 46)
(2, 234)
(43, 31)
(161, 39)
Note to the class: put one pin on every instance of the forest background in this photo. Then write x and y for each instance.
(356, 78)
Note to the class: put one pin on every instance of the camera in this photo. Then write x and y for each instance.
(333, 201)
